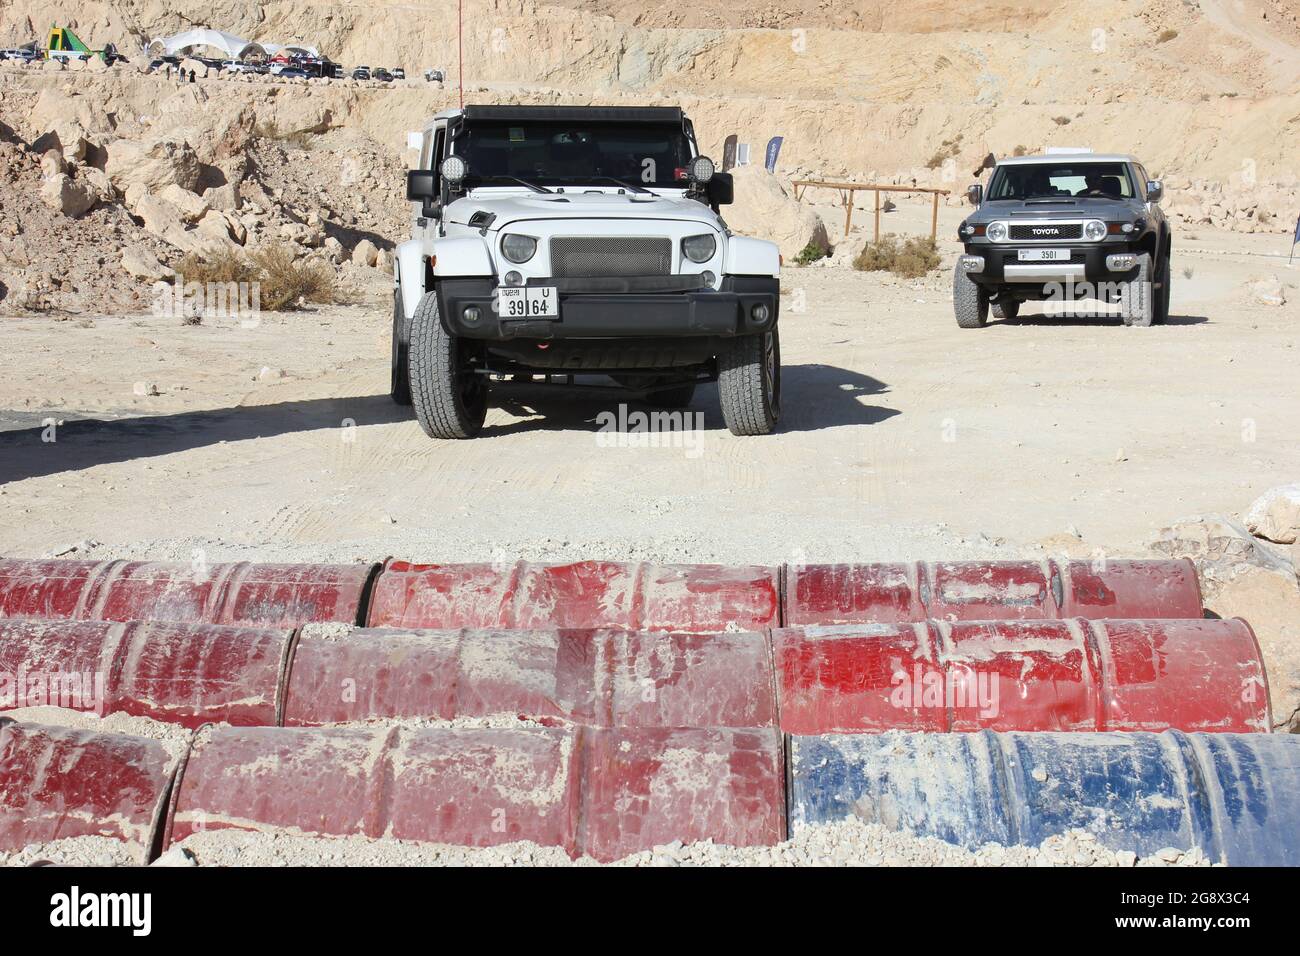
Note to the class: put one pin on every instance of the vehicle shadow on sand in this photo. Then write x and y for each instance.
(1074, 321)
(26, 452)
(813, 397)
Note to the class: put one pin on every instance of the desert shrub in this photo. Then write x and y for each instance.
(947, 150)
(811, 253)
(225, 266)
(284, 281)
(287, 281)
(1061, 120)
(1166, 35)
(911, 259)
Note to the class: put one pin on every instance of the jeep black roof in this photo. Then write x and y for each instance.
(577, 114)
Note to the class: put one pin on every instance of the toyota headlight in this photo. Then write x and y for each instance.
(699, 248)
(997, 231)
(1094, 230)
(518, 249)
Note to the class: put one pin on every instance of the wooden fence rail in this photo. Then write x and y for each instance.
(847, 191)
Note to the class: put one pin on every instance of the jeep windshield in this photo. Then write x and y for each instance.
(1030, 181)
(558, 153)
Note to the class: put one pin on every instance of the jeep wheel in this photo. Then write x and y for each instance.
(1007, 309)
(749, 384)
(450, 399)
(1162, 291)
(1137, 305)
(969, 301)
(400, 381)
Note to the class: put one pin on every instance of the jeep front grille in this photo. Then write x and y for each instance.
(590, 256)
(1047, 232)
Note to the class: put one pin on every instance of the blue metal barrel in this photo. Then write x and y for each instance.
(1236, 796)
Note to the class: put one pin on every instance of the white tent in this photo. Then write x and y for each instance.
(227, 44)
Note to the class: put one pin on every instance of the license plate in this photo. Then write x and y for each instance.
(1044, 255)
(531, 302)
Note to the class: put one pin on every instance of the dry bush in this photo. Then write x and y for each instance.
(1166, 35)
(224, 266)
(947, 150)
(283, 280)
(911, 259)
(1061, 120)
(811, 253)
(288, 282)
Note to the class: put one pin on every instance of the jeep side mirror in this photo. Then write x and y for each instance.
(422, 187)
(1155, 190)
(975, 194)
(721, 190)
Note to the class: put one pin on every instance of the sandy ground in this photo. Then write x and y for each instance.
(903, 436)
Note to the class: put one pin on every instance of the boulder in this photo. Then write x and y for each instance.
(364, 253)
(153, 164)
(1275, 515)
(197, 66)
(53, 163)
(1267, 290)
(143, 264)
(225, 198)
(765, 208)
(192, 207)
(66, 195)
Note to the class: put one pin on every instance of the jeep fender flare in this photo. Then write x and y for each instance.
(751, 257)
(456, 256)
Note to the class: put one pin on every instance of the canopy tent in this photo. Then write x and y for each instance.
(227, 44)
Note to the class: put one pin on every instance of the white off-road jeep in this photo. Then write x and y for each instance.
(551, 242)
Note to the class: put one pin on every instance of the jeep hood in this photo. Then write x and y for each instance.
(508, 208)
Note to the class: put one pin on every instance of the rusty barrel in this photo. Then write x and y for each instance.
(249, 595)
(587, 594)
(989, 590)
(1069, 675)
(601, 678)
(187, 674)
(603, 793)
(58, 782)
(1234, 796)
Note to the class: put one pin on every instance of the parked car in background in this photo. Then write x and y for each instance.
(433, 76)
(382, 75)
(361, 73)
(399, 73)
(21, 55)
(293, 73)
(239, 66)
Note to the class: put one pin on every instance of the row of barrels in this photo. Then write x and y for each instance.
(699, 598)
(607, 793)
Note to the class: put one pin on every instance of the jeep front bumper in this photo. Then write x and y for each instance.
(618, 307)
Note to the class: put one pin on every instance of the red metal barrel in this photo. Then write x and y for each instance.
(57, 782)
(604, 793)
(588, 594)
(595, 677)
(990, 590)
(251, 595)
(187, 674)
(1196, 675)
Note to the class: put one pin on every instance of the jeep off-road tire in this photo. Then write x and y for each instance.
(749, 383)
(968, 301)
(400, 380)
(1163, 290)
(449, 397)
(1137, 299)
(1005, 310)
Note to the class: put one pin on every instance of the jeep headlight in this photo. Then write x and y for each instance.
(518, 249)
(997, 231)
(699, 248)
(1094, 230)
(701, 169)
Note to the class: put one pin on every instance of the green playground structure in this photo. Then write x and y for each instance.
(64, 41)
